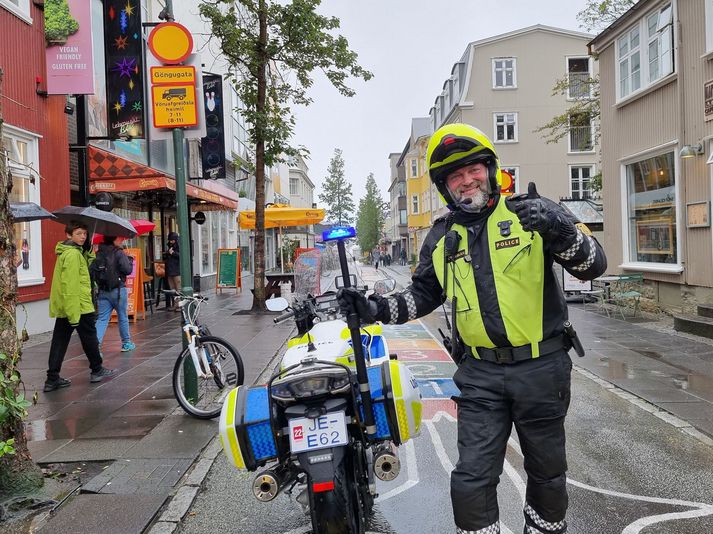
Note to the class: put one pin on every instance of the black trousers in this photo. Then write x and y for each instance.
(534, 396)
(61, 335)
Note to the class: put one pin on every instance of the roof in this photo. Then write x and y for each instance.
(531, 29)
(420, 127)
(587, 211)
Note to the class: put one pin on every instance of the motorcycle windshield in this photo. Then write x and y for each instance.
(308, 273)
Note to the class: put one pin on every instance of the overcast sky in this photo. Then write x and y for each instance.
(410, 46)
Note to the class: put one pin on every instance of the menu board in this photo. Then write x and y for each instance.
(228, 274)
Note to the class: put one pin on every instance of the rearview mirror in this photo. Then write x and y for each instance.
(277, 304)
(382, 287)
(339, 281)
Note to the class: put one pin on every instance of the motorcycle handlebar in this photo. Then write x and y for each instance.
(283, 317)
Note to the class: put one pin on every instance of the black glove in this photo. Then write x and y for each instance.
(538, 214)
(351, 300)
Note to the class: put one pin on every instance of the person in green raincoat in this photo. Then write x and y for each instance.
(71, 304)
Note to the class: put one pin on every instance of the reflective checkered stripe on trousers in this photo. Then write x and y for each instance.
(540, 525)
(490, 529)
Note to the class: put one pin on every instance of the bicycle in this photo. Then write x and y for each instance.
(207, 368)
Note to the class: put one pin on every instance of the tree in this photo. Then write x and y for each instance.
(17, 471)
(585, 110)
(59, 23)
(337, 192)
(370, 219)
(265, 42)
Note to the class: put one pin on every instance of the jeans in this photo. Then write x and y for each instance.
(116, 299)
(60, 341)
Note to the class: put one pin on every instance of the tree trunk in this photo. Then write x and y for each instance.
(17, 471)
(259, 280)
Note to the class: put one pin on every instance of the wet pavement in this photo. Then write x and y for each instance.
(132, 422)
(637, 445)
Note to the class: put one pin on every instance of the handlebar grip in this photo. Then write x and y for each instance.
(283, 317)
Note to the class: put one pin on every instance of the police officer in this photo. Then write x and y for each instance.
(492, 259)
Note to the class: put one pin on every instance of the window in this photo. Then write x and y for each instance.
(578, 73)
(294, 186)
(21, 8)
(414, 168)
(401, 189)
(580, 181)
(656, 54)
(515, 173)
(22, 152)
(651, 208)
(240, 145)
(709, 26)
(403, 217)
(581, 137)
(504, 74)
(505, 127)
(414, 204)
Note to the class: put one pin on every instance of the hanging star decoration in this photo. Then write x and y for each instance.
(112, 13)
(122, 98)
(129, 9)
(117, 108)
(131, 85)
(120, 42)
(136, 106)
(123, 21)
(124, 67)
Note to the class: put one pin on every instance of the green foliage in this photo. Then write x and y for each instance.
(242, 193)
(370, 219)
(6, 447)
(296, 41)
(598, 14)
(337, 192)
(287, 251)
(59, 23)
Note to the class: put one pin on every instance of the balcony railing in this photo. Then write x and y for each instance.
(581, 139)
(578, 86)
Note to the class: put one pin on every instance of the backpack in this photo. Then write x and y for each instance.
(104, 271)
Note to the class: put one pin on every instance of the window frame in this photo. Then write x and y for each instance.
(515, 127)
(709, 26)
(35, 276)
(504, 69)
(294, 191)
(570, 149)
(415, 205)
(628, 262)
(21, 10)
(592, 172)
(645, 40)
(589, 76)
(414, 168)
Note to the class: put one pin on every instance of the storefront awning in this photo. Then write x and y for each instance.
(113, 174)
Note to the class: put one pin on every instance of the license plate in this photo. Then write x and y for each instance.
(329, 430)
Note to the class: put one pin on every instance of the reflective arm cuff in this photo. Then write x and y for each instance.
(583, 244)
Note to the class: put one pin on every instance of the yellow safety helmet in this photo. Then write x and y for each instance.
(454, 146)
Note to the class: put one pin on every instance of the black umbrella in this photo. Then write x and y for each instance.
(28, 211)
(100, 221)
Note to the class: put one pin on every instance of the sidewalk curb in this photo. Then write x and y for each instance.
(645, 405)
(179, 503)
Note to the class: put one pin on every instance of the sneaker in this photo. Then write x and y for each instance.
(100, 374)
(127, 346)
(51, 385)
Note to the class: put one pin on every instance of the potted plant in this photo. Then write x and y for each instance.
(59, 23)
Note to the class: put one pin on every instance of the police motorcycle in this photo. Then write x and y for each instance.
(331, 417)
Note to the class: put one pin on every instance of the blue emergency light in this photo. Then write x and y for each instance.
(339, 232)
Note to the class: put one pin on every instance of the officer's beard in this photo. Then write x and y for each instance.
(475, 202)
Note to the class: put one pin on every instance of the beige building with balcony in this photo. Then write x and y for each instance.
(656, 130)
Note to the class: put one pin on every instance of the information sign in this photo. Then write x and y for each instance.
(174, 106)
(228, 275)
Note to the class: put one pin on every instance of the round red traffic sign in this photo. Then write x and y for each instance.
(170, 42)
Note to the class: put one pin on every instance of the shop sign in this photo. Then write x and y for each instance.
(708, 100)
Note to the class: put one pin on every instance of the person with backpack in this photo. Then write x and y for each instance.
(71, 304)
(109, 271)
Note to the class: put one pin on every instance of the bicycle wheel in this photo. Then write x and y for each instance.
(203, 397)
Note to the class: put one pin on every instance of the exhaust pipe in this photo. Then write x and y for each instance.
(386, 465)
(266, 486)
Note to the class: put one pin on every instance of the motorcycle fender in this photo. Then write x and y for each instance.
(322, 471)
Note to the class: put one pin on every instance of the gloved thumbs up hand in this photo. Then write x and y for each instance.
(532, 210)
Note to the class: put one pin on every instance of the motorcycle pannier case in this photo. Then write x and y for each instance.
(396, 401)
(245, 432)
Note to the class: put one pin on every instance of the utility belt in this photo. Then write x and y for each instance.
(510, 355)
